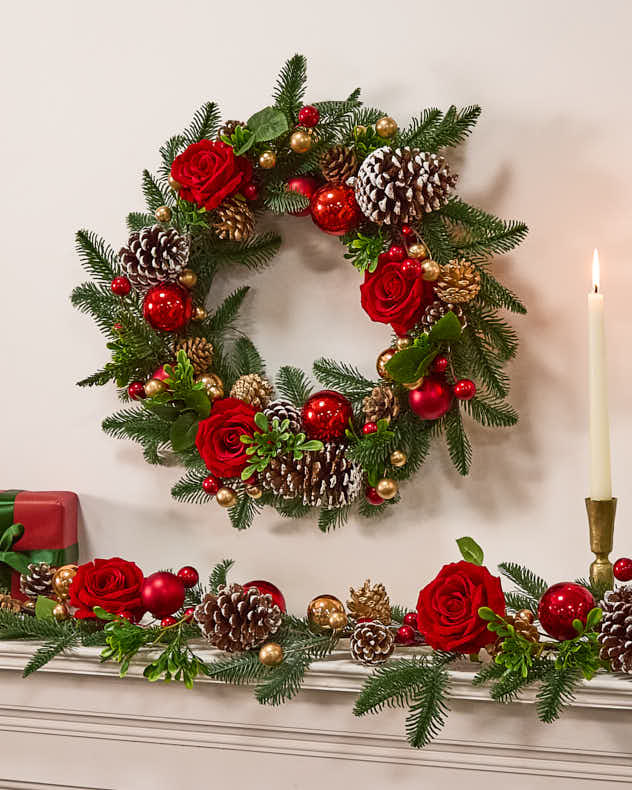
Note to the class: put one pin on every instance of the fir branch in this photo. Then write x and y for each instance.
(516, 601)
(453, 128)
(343, 377)
(333, 518)
(394, 684)
(219, 575)
(486, 244)
(556, 692)
(291, 508)
(168, 152)
(97, 257)
(421, 129)
(290, 87)
(67, 639)
(496, 331)
(143, 427)
(483, 361)
(242, 514)
(293, 384)
(284, 681)
(597, 590)
(154, 196)
(189, 487)
(437, 237)
(429, 709)
(99, 302)
(17, 626)
(280, 200)
(496, 295)
(204, 125)
(367, 510)
(254, 253)
(488, 672)
(236, 670)
(459, 445)
(532, 585)
(414, 439)
(363, 116)
(137, 220)
(226, 314)
(490, 412)
(246, 359)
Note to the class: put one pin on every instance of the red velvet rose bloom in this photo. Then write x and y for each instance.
(393, 297)
(447, 609)
(112, 584)
(209, 171)
(218, 437)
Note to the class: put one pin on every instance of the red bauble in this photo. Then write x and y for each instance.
(305, 185)
(136, 390)
(168, 307)
(405, 635)
(433, 399)
(464, 389)
(334, 209)
(440, 364)
(369, 428)
(396, 253)
(411, 268)
(120, 286)
(372, 497)
(267, 588)
(308, 116)
(410, 618)
(167, 622)
(560, 605)
(188, 576)
(250, 191)
(326, 415)
(160, 374)
(188, 613)
(162, 593)
(623, 569)
(406, 231)
(211, 485)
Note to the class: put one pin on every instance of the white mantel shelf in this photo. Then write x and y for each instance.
(92, 730)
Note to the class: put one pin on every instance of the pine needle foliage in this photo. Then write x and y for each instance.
(526, 580)
(293, 384)
(557, 691)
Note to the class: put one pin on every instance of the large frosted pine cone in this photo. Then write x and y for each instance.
(281, 409)
(615, 629)
(370, 602)
(381, 404)
(154, 255)
(458, 283)
(371, 643)
(234, 220)
(253, 389)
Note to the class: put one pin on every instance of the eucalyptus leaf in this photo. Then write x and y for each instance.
(183, 432)
(470, 550)
(267, 124)
(102, 614)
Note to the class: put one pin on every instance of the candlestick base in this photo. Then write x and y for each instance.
(601, 514)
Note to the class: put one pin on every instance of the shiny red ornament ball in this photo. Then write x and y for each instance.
(304, 185)
(433, 399)
(560, 605)
(167, 622)
(411, 268)
(623, 569)
(168, 307)
(369, 428)
(334, 209)
(267, 588)
(250, 191)
(396, 253)
(136, 390)
(162, 593)
(188, 576)
(308, 116)
(372, 497)
(440, 364)
(211, 485)
(326, 415)
(464, 389)
(188, 613)
(120, 286)
(407, 231)
(405, 635)
(410, 618)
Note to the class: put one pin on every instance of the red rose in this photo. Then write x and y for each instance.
(112, 584)
(209, 171)
(391, 297)
(218, 440)
(447, 609)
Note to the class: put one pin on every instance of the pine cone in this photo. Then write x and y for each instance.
(252, 389)
(523, 622)
(615, 629)
(237, 619)
(284, 410)
(10, 604)
(458, 283)
(38, 580)
(370, 601)
(398, 186)
(371, 643)
(199, 351)
(437, 310)
(323, 478)
(154, 255)
(339, 163)
(381, 404)
(233, 220)
(227, 129)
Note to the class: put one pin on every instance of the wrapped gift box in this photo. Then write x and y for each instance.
(36, 526)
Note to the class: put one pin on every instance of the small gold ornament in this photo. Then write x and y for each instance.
(387, 488)
(398, 459)
(62, 580)
(175, 185)
(213, 385)
(320, 610)
(360, 130)
(271, 654)
(226, 497)
(60, 612)
(418, 250)
(254, 492)
(430, 271)
(300, 142)
(188, 278)
(382, 360)
(267, 160)
(337, 621)
(29, 606)
(163, 214)
(414, 385)
(403, 342)
(199, 314)
(154, 387)
(386, 126)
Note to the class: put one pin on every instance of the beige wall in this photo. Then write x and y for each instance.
(90, 92)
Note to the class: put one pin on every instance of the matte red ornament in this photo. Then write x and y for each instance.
(250, 191)
(410, 618)
(120, 286)
(305, 185)
(308, 116)
(411, 268)
(167, 622)
(334, 209)
(326, 415)
(440, 364)
(560, 605)
(211, 485)
(188, 613)
(464, 389)
(396, 253)
(267, 588)
(433, 399)
(405, 635)
(168, 307)
(188, 576)
(372, 497)
(162, 593)
(369, 427)
(623, 569)
(136, 390)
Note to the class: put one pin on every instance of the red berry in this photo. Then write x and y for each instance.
(396, 253)
(440, 364)
(411, 268)
(121, 286)
(188, 613)
(250, 191)
(369, 427)
(410, 618)
(127, 615)
(372, 497)
(211, 485)
(188, 576)
(136, 390)
(166, 622)
(251, 481)
(308, 115)
(405, 635)
(623, 569)
(117, 327)
(407, 231)
(464, 389)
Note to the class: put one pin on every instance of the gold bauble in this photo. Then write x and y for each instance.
(267, 160)
(29, 606)
(60, 612)
(398, 458)
(337, 621)
(418, 250)
(380, 365)
(199, 314)
(226, 497)
(320, 610)
(387, 488)
(254, 492)
(300, 142)
(215, 393)
(403, 342)
(163, 214)
(271, 654)
(188, 278)
(414, 385)
(359, 130)
(62, 580)
(430, 271)
(154, 387)
(175, 185)
(213, 385)
(386, 126)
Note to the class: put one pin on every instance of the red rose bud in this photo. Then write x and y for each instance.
(113, 584)
(218, 439)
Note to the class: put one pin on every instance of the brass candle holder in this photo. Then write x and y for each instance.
(601, 514)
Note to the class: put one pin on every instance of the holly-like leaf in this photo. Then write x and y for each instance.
(447, 329)
(184, 431)
(470, 550)
(267, 124)
(412, 363)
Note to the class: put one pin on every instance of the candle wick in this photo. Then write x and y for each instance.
(596, 287)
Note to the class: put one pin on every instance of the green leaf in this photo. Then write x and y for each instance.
(183, 432)
(44, 608)
(405, 366)
(447, 329)
(593, 618)
(470, 550)
(102, 614)
(261, 421)
(267, 124)
(485, 613)
(248, 142)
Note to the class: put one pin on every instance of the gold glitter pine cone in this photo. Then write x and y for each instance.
(458, 283)
(234, 220)
(199, 351)
(254, 390)
(371, 602)
(381, 404)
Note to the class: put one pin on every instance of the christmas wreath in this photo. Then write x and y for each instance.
(196, 385)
